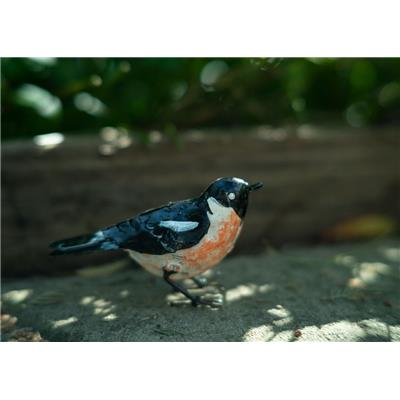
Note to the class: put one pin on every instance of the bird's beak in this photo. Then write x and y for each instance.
(255, 186)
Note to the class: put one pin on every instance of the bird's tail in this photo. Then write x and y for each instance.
(78, 244)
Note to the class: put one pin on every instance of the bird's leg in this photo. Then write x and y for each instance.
(200, 281)
(179, 288)
(196, 300)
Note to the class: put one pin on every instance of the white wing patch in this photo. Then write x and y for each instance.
(179, 226)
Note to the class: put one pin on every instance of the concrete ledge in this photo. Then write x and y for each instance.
(338, 293)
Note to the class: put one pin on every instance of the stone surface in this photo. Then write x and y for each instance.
(337, 293)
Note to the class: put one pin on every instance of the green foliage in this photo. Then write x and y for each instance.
(77, 95)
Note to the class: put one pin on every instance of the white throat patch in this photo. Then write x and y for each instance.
(219, 212)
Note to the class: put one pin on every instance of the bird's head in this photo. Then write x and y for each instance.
(231, 192)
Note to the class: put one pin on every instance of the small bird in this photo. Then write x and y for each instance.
(179, 240)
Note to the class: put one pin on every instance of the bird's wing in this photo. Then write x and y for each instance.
(163, 230)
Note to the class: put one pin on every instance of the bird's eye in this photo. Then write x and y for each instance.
(231, 196)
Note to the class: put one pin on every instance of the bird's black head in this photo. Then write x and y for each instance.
(231, 192)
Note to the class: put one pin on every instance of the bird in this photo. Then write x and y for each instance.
(179, 240)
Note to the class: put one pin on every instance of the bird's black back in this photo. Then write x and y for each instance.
(144, 234)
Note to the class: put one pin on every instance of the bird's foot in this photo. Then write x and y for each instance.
(214, 300)
(208, 299)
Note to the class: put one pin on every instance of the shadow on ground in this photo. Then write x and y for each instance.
(337, 293)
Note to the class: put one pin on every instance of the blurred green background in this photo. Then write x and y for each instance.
(41, 95)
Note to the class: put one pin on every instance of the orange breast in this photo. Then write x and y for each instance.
(213, 247)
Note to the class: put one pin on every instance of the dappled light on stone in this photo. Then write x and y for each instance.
(261, 333)
(392, 254)
(86, 300)
(101, 307)
(25, 335)
(279, 312)
(375, 327)
(7, 322)
(369, 272)
(17, 296)
(343, 330)
(282, 316)
(345, 260)
(110, 317)
(248, 290)
(63, 322)
(267, 333)
(365, 273)
(364, 330)
(124, 293)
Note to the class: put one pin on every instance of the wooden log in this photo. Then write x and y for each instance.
(310, 184)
